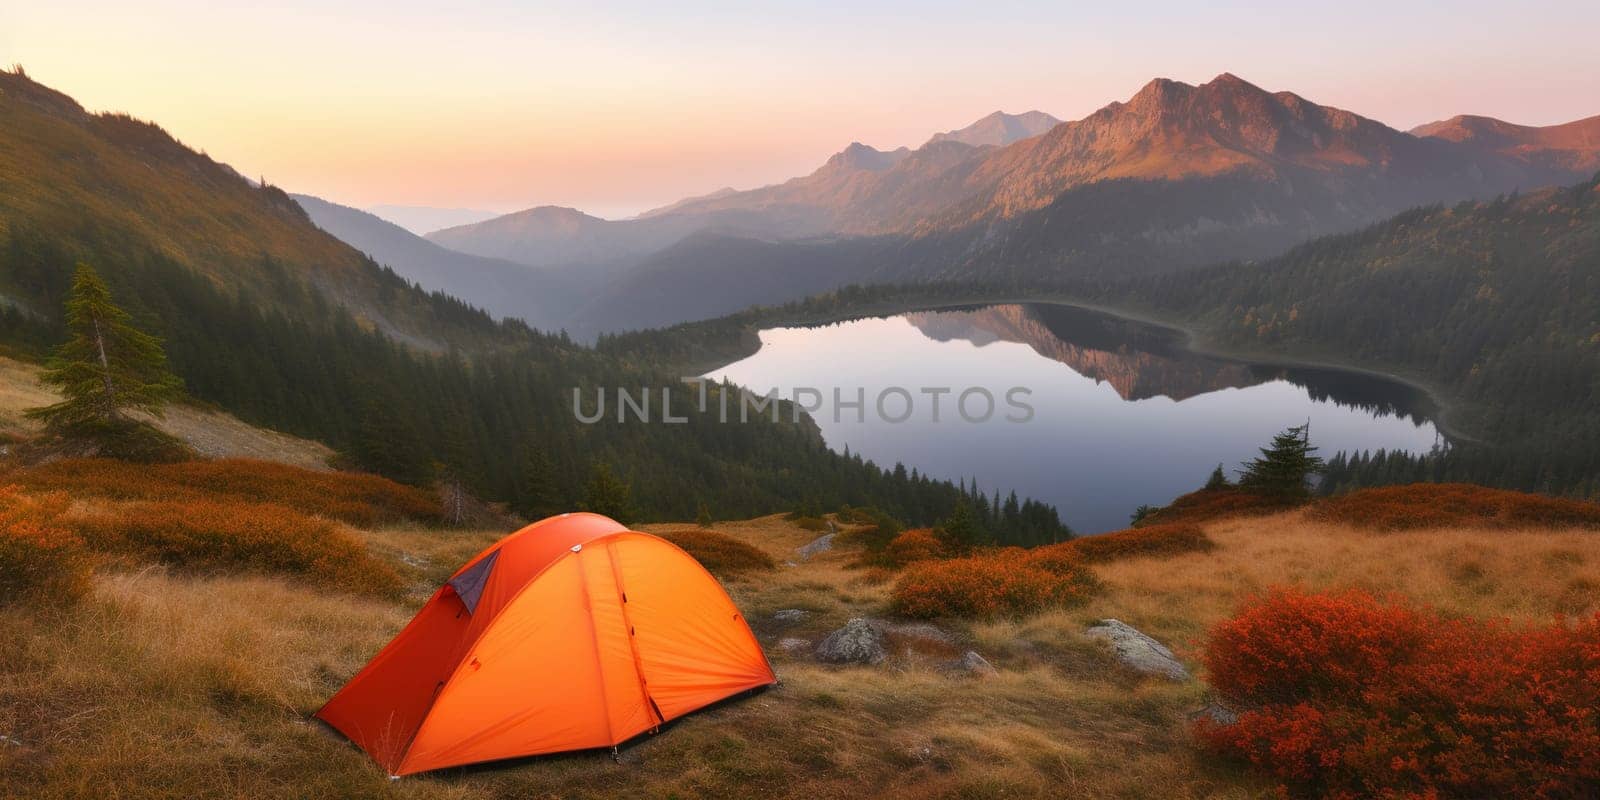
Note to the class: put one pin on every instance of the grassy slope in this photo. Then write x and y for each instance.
(211, 433)
(136, 694)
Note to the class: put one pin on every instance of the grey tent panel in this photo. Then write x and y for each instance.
(469, 584)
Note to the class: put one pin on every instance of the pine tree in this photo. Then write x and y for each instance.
(1284, 469)
(1218, 479)
(962, 531)
(539, 497)
(702, 515)
(106, 367)
(607, 494)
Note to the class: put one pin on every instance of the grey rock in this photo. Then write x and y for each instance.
(924, 631)
(1137, 651)
(975, 665)
(858, 642)
(790, 616)
(821, 544)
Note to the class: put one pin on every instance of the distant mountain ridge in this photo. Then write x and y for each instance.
(422, 220)
(1000, 129)
(1176, 177)
(1573, 146)
(554, 235)
(502, 288)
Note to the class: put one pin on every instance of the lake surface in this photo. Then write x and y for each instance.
(1122, 413)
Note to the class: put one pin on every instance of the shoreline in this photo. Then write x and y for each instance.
(1193, 339)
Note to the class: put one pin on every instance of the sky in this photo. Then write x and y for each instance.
(615, 108)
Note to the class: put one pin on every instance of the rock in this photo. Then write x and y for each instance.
(821, 544)
(924, 631)
(790, 616)
(973, 664)
(858, 642)
(1138, 651)
(791, 644)
(1216, 714)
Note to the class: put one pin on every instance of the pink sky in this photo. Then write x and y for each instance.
(501, 105)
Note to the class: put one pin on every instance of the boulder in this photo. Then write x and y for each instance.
(858, 642)
(970, 663)
(919, 631)
(821, 544)
(1137, 651)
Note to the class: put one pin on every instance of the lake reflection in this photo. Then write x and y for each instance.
(1123, 414)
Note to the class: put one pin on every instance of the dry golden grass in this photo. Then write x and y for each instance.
(169, 686)
(211, 433)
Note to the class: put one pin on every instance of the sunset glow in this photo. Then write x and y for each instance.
(502, 105)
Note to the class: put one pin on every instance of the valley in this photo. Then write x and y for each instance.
(1193, 439)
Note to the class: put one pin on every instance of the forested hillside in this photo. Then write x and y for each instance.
(1496, 303)
(267, 316)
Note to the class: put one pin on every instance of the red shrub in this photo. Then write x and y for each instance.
(40, 559)
(1006, 582)
(1345, 696)
(1439, 505)
(1149, 540)
(1208, 504)
(917, 544)
(356, 498)
(226, 536)
(719, 552)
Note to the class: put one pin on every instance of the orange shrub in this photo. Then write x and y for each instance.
(1439, 505)
(208, 535)
(719, 552)
(1209, 504)
(1010, 582)
(356, 498)
(1343, 696)
(1151, 540)
(40, 559)
(917, 544)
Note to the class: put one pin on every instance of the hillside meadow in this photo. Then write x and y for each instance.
(172, 679)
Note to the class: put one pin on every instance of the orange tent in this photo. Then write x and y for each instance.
(571, 633)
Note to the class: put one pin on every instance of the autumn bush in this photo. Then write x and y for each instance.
(1443, 505)
(356, 498)
(1345, 696)
(226, 536)
(1008, 582)
(1167, 539)
(873, 531)
(40, 559)
(917, 544)
(1209, 504)
(719, 552)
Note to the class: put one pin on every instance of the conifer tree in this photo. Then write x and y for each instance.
(540, 497)
(106, 367)
(1218, 479)
(962, 531)
(607, 494)
(1284, 468)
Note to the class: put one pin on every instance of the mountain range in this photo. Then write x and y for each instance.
(1178, 176)
(535, 295)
